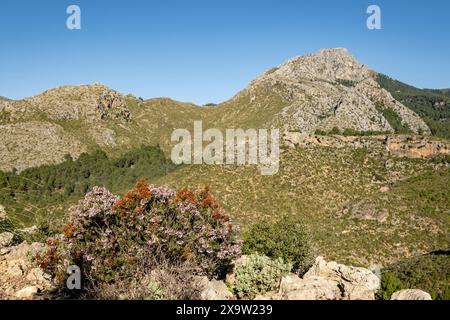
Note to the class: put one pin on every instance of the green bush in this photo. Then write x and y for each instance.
(287, 239)
(389, 284)
(257, 274)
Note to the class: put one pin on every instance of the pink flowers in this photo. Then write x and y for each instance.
(107, 235)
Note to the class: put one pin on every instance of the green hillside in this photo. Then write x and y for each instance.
(341, 195)
(432, 105)
(44, 193)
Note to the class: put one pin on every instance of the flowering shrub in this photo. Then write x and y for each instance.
(256, 274)
(106, 236)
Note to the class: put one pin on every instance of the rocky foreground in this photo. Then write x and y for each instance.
(21, 279)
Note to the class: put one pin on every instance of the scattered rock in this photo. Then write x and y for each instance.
(27, 293)
(411, 294)
(6, 239)
(29, 230)
(18, 274)
(2, 213)
(213, 290)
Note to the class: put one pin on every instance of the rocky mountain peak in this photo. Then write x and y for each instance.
(326, 64)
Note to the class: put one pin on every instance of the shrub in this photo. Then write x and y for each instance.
(287, 239)
(157, 280)
(389, 284)
(108, 237)
(256, 274)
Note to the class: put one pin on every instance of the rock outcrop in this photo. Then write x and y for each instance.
(408, 146)
(213, 289)
(2, 213)
(417, 147)
(327, 281)
(5, 239)
(353, 282)
(411, 294)
(312, 288)
(19, 277)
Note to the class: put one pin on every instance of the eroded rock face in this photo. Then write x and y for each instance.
(313, 288)
(35, 143)
(327, 89)
(90, 102)
(417, 147)
(354, 283)
(411, 294)
(19, 277)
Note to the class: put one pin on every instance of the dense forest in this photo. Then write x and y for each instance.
(26, 193)
(432, 105)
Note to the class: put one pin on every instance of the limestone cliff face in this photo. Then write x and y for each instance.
(413, 147)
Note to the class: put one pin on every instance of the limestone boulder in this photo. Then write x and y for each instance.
(411, 294)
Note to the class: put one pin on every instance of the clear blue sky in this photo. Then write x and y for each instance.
(207, 50)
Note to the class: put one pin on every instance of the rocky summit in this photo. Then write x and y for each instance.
(324, 90)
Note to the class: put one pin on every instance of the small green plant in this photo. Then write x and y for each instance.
(389, 284)
(257, 274)
(335, 131)
(287, 239)
(154, 291)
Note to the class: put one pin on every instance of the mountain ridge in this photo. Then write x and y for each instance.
(319, 91)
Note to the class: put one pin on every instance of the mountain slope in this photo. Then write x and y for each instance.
(361, 207)
(432, 105)
(323, 90)
(320, 91)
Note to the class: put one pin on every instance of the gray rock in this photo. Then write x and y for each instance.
(2, 213)
(213, 290)
(6, 239)
(27, 293)
(313, 288)
(411, 294)
(355, 283)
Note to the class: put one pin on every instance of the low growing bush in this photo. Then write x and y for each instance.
(287, 239)
(257, 274)
(389, 284)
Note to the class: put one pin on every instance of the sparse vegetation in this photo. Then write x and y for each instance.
(430, 272)
(258, 274)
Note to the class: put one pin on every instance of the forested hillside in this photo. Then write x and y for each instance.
(432, 105)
